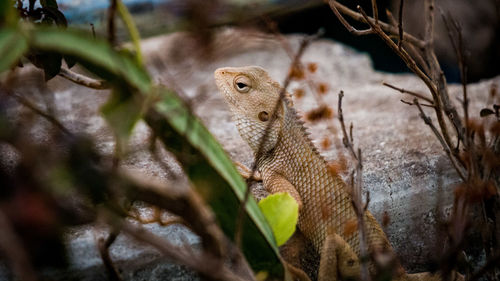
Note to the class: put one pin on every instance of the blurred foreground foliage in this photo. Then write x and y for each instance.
(66, 181)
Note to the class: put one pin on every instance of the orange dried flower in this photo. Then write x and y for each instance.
(298, 93)
(386, 219)
(296, 73)
(326, 143)
(322, 88)
(334, 167)
(312, 67)
(322, 112)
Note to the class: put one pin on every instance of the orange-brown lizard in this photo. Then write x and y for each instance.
(289, 162)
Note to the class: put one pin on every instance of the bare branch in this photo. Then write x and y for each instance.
(344, 22)
(428, 121)
(375, 10)
(83, 80)
(334, 5)
(400, 24)
(103, 245)
(345, 139)
(458, 47)
(360, 209)
(403, 91)
(111, 22)
(423, 104)
(416, 53)
(209, 266)
(22, 100)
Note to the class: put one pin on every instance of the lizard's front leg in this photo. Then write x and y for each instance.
(246, 173)
(275, 182)
(338, 260)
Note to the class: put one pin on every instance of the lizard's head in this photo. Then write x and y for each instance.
(251, 95)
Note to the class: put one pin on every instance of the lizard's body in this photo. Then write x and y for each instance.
(289, 162)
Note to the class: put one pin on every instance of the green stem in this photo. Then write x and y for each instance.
(132, 29)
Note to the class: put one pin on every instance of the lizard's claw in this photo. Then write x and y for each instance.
(246, 173)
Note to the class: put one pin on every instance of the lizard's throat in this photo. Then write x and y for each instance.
(253, 132)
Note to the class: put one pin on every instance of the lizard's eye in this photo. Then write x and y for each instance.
(242, 84)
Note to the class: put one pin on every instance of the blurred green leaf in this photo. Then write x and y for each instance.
(12, 46)
(122, 111)
(94, 52)
(282, 213)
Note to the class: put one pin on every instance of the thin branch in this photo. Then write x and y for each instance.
(83, 80)
(410, 63)
(428, 121)
(208, 266)
(439, 92)
(416, 53)
(346, 24)
(92, 27)
(103, 246)
(334, 5)
(111, 22)
(22, 100)
(131, 28)
(422, 104)
(400, 24)
(458, 47)
(187, 205)
(375, 11)
(411, 93)
(360, 209)
(345, 139)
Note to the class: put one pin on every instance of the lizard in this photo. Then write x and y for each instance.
(287, 161)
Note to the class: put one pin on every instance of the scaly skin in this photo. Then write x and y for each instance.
(289, 162)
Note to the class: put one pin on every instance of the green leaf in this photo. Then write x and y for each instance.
(122, 111)
(95, 52)
(12, 46)
(282, 213)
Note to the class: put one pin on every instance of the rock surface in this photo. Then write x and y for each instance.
(405, 170)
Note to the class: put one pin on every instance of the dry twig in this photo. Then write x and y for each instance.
(83, 80)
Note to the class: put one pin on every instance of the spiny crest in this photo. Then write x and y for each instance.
(301, 124)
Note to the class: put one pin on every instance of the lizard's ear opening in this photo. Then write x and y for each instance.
(242, 84)
(263, 116)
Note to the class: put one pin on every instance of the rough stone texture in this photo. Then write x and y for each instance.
(405, 170)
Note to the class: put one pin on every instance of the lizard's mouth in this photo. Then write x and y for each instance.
(222, 80)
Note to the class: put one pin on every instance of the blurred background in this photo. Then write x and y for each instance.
(480, 22)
